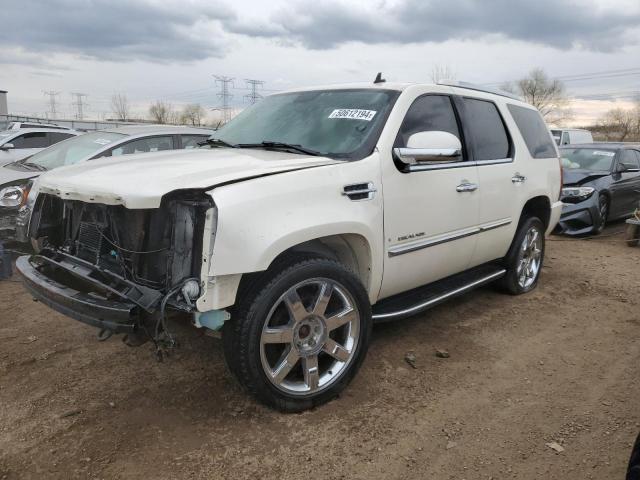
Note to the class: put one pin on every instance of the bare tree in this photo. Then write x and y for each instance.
(442, 72)
(548, 95)
(192, 114)
(620, 124)
(162, 112)
(120, 106)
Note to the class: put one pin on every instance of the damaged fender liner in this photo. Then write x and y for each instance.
(118, 316)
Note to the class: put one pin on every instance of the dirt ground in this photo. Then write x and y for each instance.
(557, 365)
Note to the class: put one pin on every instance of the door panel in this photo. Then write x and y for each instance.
(492, 150)
(428, 223)
(625, 186)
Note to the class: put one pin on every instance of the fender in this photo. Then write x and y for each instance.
(259, 219)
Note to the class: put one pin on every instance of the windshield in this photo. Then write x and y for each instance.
(557, 136)
(596, 159)
(74, 149)
(4, 136)
(335, 123)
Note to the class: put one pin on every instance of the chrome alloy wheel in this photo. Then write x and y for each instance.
(310, 336)
(530, 258)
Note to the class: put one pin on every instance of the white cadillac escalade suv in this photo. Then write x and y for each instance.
(305, 220)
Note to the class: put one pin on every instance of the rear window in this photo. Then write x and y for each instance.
(534, 131)
(488, 133)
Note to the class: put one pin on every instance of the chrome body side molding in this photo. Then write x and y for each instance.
(448, 237)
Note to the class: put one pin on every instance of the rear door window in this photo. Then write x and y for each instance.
(31, 140)
(534, 131)
(489, 136)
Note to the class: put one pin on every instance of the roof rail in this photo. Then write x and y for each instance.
(479, 88)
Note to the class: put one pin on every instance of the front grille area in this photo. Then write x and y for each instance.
(90, 242)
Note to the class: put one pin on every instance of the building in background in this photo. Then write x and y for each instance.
(3, 103)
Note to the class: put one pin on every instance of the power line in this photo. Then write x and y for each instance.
(586, 76)
(253, 96)
(79, 104)
(53, 111)
(224, 95)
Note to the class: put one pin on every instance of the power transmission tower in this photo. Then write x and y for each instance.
(253, 96)
(224, 95)
(79, 104)
(53, 111)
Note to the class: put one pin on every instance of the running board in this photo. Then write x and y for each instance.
(423, 298)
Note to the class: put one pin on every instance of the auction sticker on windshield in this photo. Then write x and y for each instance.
(604, 154)
(102, 141)
(353, 113)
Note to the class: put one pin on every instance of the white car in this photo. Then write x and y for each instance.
(19, 143)
(312, 215)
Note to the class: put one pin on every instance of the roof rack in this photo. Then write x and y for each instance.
(479, 88)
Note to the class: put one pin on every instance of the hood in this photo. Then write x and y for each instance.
(14, 176)
(140, 181)
(580, 176)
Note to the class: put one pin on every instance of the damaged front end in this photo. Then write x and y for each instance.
(115, 268)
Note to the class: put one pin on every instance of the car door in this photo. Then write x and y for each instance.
(499, 194)
(626, 184)
(431, 209)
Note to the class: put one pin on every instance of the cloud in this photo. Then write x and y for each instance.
(561, 24)
(118, 30)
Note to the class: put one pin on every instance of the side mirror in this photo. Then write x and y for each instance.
(622, 168)
(437, 147)
(7, 146)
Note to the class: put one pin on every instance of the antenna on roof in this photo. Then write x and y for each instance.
(379, 78)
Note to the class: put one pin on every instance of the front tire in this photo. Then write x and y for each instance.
(301, 335)
(603, 208)
(525, 258)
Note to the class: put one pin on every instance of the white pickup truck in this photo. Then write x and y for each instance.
(312, 215)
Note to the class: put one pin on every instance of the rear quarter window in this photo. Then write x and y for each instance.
(534, 131)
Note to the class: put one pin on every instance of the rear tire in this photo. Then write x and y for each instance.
(300, 335)
(525, 258)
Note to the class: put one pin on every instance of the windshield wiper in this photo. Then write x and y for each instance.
(35, 166)
(217, 142)
(281, 146)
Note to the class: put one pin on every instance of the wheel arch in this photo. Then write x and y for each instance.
(538, 206)
(352, 250)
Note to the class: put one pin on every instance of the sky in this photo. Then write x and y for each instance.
(170, 50)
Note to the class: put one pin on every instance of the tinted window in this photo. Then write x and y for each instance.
(142, 145)
(426, 114)
(31, 140)
(534, 131)
(191, 141)
(488, 135)
(55, 137)
(629, 160)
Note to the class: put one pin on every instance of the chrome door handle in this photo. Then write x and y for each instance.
(466, 187)
(517, 178)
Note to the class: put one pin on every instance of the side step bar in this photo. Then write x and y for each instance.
(423, 298)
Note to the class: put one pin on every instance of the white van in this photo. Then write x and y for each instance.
(571, 136)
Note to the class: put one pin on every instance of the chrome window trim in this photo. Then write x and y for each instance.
(397, 250)
(421, 167)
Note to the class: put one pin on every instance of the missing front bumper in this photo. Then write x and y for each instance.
(118, 316)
